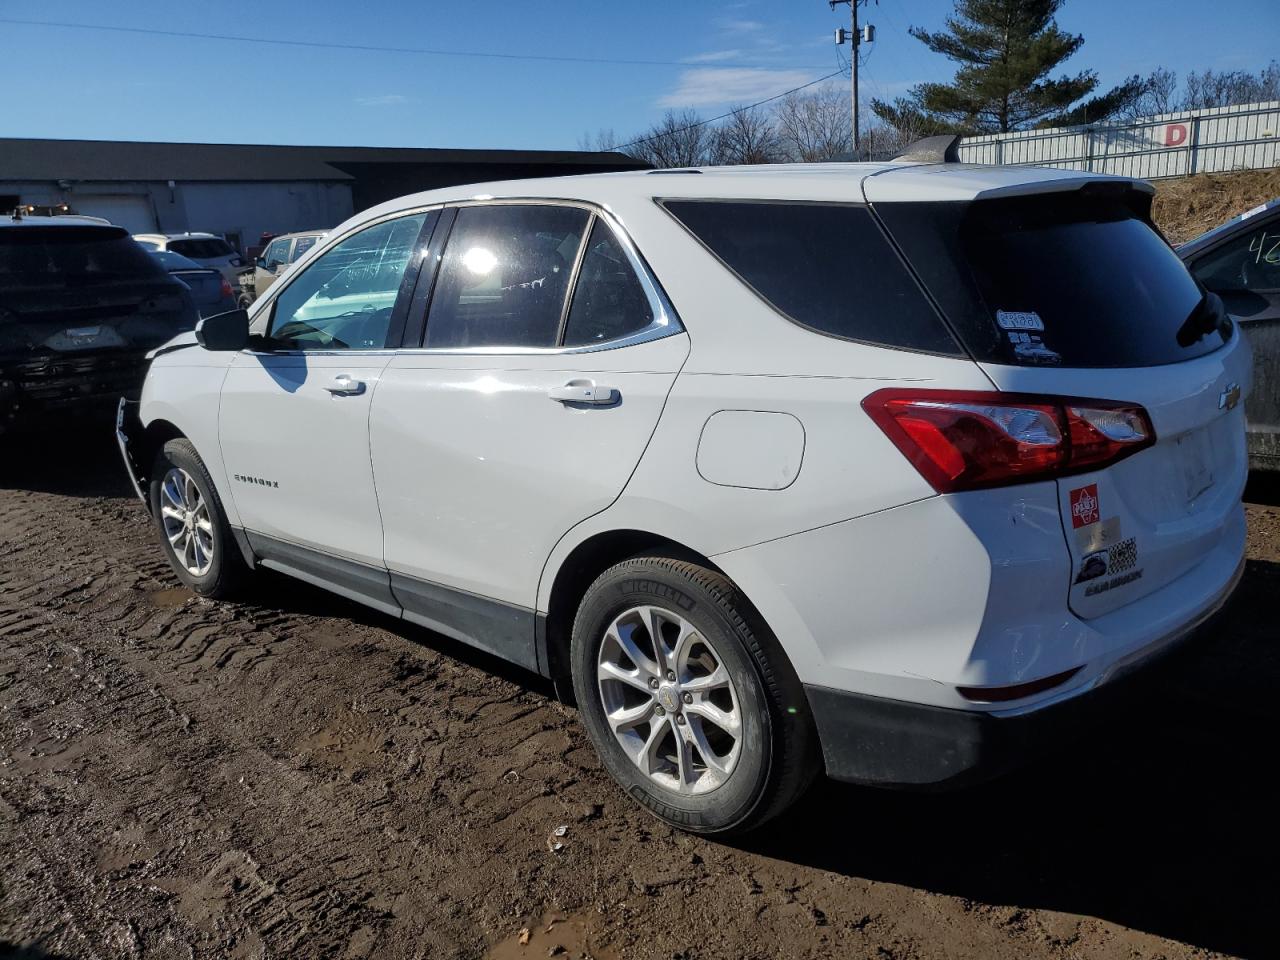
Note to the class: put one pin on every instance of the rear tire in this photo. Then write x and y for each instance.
(709, 729)
(192, 524)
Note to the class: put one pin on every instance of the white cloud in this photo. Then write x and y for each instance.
(740, 26)
(384, 100)
(711, 86)
(714, 55)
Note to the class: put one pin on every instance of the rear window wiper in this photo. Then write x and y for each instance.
(1208, 316)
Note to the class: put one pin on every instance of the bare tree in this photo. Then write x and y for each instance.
(884, 141)
(748, 135)
(1230, 87)
(1159, 95)
(814, 125)
(602, 140)
(679, 139)
(1205, 89)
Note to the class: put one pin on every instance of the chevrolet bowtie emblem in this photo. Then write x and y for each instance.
(1229, 397)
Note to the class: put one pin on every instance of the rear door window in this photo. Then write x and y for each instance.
(505, 276)
(824, 266)
(301, 246)
(1076, 279)
(608, 301)
(1249, 261)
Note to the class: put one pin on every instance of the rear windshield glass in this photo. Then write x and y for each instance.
(175, 261)
(825, 266)
(202, 248)
(1077, 280)
(60, 256)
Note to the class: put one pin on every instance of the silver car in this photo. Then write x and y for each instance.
(206, 249)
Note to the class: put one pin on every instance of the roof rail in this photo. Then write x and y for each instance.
(677, 170)
(941, 149)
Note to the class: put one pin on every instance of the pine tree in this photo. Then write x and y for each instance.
(1006, 50)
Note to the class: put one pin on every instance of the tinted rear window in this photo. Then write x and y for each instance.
(825, 266)
(1077, 280)
(62, 256)
(201, 248)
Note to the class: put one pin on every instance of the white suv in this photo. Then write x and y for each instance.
(206, 249)
(875, 468)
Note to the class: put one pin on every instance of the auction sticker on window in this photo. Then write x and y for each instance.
(1084, 506)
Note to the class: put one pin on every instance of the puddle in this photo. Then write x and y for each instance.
(346, 748)
(566, 936)
(170, 597)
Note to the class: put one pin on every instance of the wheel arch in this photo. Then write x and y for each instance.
(579, 569)
(154, 436)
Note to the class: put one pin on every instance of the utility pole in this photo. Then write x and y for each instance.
(856, 38)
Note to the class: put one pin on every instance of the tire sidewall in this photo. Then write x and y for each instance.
(637, 584)
(180, 453)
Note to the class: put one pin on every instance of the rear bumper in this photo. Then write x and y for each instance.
(879, 741)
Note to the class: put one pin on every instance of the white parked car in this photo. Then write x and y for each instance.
(206, 249)
(873, 468)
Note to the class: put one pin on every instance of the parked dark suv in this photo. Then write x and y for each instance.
(80, 305)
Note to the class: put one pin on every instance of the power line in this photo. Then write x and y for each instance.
(751, 106)
(367, 48)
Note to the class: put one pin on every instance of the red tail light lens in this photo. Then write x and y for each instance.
(962, 440)
(226, 288)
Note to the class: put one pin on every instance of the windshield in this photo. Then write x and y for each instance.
(71, 256)
(1076, 280)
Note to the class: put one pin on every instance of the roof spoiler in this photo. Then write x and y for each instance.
(940, 149)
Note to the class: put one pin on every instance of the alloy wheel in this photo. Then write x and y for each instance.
(669, 700)
(185, 516)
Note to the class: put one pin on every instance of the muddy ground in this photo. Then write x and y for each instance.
(299, 777)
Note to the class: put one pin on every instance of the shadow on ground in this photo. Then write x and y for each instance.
(71, 458)
(11, 951)
(1164, 820)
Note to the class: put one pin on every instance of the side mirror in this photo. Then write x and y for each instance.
(224, 331)
(260, 262)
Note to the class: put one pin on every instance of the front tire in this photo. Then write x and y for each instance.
(193, 526)
(687, 697)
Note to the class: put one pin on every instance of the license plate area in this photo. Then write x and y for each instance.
(1195, 455)
(94, 337)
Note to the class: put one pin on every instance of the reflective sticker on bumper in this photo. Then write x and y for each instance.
(1095, 536)
(1117, 560)
(1084, 505)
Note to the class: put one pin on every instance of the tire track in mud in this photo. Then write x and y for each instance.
(297, 777)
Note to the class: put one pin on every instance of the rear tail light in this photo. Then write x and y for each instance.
(962, 440)
(226, 288)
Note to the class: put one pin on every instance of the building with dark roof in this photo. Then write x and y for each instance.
(243, 190)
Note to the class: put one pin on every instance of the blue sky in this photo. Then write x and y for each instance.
(103, 85)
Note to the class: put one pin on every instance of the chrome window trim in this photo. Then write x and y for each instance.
(665, 321)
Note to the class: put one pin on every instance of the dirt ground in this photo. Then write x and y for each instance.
(299, 777)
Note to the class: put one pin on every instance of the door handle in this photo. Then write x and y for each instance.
(344, 386)
(583, 391)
